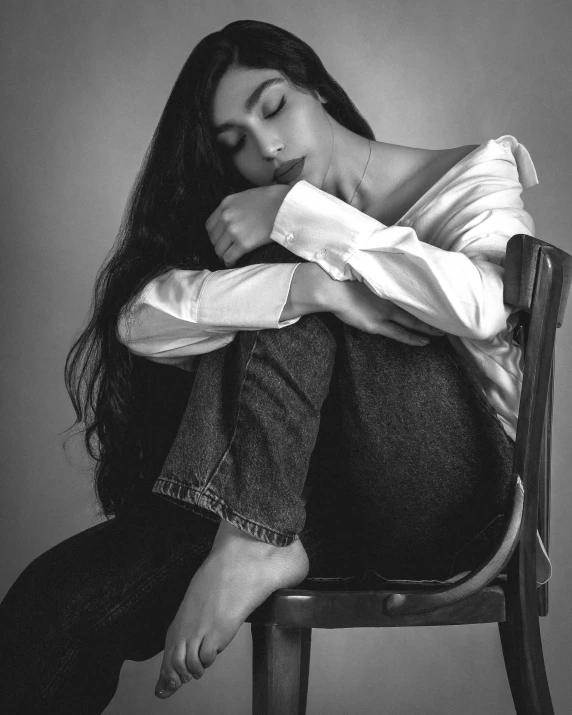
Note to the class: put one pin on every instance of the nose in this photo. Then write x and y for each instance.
(269, 146)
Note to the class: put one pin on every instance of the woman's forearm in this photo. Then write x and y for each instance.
(311, 291)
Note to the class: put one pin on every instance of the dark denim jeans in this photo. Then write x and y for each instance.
(409, 469)
(407, 460)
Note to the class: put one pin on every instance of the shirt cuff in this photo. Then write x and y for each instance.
(322, 228)
(250, 299)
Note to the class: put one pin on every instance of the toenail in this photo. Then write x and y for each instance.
(172, 683)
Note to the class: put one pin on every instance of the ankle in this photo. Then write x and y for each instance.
(231, 538)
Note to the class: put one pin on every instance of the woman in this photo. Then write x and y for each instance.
(406, 442)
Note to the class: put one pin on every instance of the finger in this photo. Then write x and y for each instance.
(217, 232)
(222, 245)
(402, 317)
(213, 219)
(402, 335)
(180, 664)
(232, 254)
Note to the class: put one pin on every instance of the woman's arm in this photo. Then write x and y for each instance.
(453, 277)
(184, 313)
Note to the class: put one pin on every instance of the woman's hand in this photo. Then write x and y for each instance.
(313, 291)
(244, 221)
(355, 304)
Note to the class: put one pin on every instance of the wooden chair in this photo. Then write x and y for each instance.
(503, 589)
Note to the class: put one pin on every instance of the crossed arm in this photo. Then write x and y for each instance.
(378, 278)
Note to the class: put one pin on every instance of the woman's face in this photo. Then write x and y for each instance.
(268, 122)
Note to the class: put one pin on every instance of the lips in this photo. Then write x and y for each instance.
(289, 171)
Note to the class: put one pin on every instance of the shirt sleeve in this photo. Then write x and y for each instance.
(453, 278)
(184, 313)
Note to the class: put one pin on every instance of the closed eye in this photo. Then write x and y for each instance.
(234, 149)
(278, 109)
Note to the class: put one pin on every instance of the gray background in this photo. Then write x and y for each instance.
(84, 84)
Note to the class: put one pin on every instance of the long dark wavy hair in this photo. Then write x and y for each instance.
(183, 179)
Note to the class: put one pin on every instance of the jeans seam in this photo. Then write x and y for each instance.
(136, 594)
(54, 683)
(139, 591)
(231, 442)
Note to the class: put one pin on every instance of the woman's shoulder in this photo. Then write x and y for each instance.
(407, 161)
(501, 157)
(415, 171)
(443, 160)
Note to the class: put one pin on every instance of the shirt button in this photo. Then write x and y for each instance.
(321, 254)
(289, 237)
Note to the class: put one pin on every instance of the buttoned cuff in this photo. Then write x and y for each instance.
(322, 228)
(250, 298)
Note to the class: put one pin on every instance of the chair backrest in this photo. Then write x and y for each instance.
(521, 267)
(537, 282)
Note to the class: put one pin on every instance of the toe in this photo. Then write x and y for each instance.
(169, 681)
(165, 687)
(193, 662)
(208, 652)
(180, 664)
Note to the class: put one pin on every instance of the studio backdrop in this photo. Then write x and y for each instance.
(83, 87)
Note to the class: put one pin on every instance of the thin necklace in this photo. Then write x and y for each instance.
(367, 164)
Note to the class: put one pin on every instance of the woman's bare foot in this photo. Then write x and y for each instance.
(238, 575)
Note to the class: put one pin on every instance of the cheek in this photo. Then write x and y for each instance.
(250, 168)
(306, 130)
(305, 133)
(315, 138)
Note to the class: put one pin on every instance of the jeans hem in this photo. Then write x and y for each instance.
(209, 504)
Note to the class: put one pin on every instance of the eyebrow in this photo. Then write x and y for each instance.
(251, 101)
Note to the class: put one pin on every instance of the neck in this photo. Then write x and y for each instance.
(349, 158)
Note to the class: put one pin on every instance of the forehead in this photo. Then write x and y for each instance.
(235, 86)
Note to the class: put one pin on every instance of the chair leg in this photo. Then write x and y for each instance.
(280, 669)
(522, 651)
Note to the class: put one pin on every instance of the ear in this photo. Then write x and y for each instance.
(319, 97)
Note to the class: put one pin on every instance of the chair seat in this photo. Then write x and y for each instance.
(333, 605)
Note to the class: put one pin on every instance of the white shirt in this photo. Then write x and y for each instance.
(442, 262)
